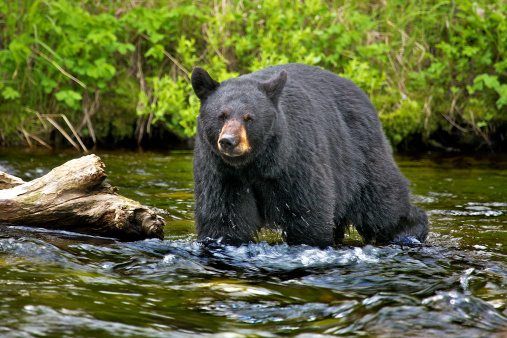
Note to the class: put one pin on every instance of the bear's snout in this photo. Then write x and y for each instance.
(228, 142)
(233, 140)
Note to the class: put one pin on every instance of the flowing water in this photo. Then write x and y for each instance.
(63, 284)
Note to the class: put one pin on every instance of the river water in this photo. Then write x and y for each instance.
(56, 284)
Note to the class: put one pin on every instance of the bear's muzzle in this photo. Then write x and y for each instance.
(233, 139)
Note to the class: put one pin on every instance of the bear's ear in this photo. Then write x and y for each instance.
(202, 83)
(274, 86)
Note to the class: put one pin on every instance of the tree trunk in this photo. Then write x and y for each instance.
(75, 197)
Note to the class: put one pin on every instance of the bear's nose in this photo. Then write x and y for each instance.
(228, 142)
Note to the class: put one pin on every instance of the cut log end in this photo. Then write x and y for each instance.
(75, 197)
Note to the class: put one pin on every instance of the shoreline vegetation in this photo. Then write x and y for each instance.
(116, 74)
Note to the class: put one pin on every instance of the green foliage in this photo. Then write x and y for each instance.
(171, 103)
(9, 93)
(428, 66)
(69, 97)
(402, 122)
(486, 81)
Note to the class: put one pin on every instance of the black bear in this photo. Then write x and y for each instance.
(297, 148)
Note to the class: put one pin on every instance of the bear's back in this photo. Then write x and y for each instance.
(328, 92)
(328, 104)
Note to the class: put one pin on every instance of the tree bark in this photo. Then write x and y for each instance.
(75, 197)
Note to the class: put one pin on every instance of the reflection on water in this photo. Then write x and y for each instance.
(64, 284)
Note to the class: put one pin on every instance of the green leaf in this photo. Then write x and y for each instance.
(10, 93)
(156, 52)
(48, 84)
(70, 97)
(502, 91)
(123, 48)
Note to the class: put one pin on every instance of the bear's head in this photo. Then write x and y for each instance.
(237, 116)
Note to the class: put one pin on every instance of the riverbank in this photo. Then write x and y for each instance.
(164, 141)
(117, 73)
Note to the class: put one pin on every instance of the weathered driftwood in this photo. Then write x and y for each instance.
(8, 181)
(75, 197)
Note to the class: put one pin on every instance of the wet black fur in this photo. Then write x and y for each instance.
(319, 162)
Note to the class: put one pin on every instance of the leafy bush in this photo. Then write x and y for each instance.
(427, 66)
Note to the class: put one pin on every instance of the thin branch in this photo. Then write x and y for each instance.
(179, 65)
(27, 138)
(38, 139)
(42, 120)
(454, 124)
(62, 131)
(57, 66)
(39, 116)
(172, 58)
(74, 132)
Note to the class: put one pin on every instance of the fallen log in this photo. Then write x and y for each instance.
(75, 197)
(8, 181)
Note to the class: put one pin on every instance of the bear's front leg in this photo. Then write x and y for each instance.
(311, 228)
(305, 203)
(225, 211)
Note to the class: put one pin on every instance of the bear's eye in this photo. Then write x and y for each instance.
(223, 115)
(247, 118)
